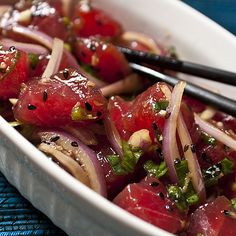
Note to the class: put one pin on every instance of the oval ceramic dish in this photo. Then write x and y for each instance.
(69, 204)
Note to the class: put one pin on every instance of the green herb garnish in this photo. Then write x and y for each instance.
(154, 169)
(212, 174)
(160, 105)
(126, 164)
(233, 202)
(176, 195)
(208, 139)
(33, 59)
(183, 194)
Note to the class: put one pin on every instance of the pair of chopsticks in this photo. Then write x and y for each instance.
(216, 100)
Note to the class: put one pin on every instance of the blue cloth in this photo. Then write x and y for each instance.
(221, 11)
(19, 218)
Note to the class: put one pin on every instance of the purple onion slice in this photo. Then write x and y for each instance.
(55, 59)
(113, 135)
(26, 47)
(170, 148)
(80, 154)
(215, 132)
(35, 35)
(191, 157)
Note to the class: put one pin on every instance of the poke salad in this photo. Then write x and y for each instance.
(164, 157)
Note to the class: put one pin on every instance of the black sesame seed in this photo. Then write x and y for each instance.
(206, 158)
(74, 144)
(161, 195)
(226, 212)
(46, 142)
(99, 113)
(31, 107)
(154, 126)
(12, 49)
(226, 148)
(169, 208)
(159, 153)
(167, 115)
(54, 138)
(45, 96)
(176, 161)
(186, 148)
(92, 47)
(88, 106)
(154, 184)
(65, 73)
(193, 148)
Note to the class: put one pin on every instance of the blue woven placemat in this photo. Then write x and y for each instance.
(221, 11)
(19, 217)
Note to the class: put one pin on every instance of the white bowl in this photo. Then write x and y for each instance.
(68, 203)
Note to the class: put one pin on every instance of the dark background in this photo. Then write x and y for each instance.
(221, 11)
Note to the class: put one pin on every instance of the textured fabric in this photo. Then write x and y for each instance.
(19, 217)
(221, 11)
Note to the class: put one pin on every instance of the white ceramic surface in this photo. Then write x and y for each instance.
(72, 206)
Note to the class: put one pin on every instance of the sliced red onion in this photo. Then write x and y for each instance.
(82, 154)
(129, 84)
(165, 89)
(35, 35)
(85, 135)
(55, 59)
(113, 135)
(145, 40)
(26, 47)
(170, 148)
(66, 162)
(191, 157)
(47, 41)
(216, 133)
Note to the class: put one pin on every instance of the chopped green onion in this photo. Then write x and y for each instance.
(160, 105)
(128, 162)
(183, 194)
(154, 169)
(227, 166)
(33, 59)
(193, 199)
(233, 203)
(176, 195)
(212, 174)
(208, 139)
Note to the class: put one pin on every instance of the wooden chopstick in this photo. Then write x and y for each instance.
(203, 71)
(222, 103)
